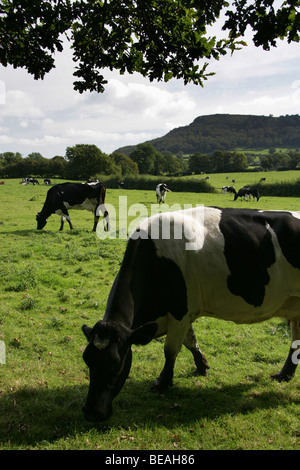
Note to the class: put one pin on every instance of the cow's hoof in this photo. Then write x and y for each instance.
(159, 386)
(281, 377)
(203, 371)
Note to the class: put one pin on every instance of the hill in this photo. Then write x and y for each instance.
(207, 134)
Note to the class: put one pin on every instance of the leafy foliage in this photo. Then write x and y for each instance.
(86, 160)
(160, 39)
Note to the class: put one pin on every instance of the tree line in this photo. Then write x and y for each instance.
(84, 161)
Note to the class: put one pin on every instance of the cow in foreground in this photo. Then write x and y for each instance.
(161, 191)
(238, 265)
(63, 197)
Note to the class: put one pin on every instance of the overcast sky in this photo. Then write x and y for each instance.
(48, 116)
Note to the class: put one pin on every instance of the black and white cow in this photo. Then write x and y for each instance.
(228, 189)
(62, 197)
(161, 191)
(29, 181)
(247, 193)
(238, 265)
(254, 193)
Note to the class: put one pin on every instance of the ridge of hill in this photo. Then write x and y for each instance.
(206, 134)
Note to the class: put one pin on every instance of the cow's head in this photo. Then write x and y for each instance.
(108, 356)
(41, 221)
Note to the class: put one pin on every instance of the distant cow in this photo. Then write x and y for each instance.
(238, 265)
(29, 181)
(246, 193)
(62, 197)
(228, 189)
(161, 191)
(47, 181)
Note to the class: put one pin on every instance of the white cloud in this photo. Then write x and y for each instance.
(20, 104)
(5, 139)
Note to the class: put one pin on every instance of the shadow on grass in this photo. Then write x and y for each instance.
(45, 232)
(38, 417)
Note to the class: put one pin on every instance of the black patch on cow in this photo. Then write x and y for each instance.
(148, 286)
(287, 230)
(249, 252)
(158, 285)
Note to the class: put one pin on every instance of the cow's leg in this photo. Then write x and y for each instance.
(290, 365)
(62, 219)
(62, 211)
(69, 220)
(174, 340)
(190, 343)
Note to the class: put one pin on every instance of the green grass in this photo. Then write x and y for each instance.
(52, 282)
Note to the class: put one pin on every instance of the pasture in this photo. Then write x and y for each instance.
(52, 282)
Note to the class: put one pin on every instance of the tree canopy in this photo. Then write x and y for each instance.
(160, 39)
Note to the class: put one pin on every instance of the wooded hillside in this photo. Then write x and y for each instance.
(206, 134)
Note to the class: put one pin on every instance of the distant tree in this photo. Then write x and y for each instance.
(199, 163)
(35, 156)
(86, 160)
(159, 164)
(240, 162)
(144, 155)
(218, 162)
(228, 161)
(126, 165)
(172, 165)
(7, 158)
(266, 163)
(57, 167)
(294, 160)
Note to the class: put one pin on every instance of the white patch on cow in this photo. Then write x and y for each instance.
(295, 214)
(88, 205)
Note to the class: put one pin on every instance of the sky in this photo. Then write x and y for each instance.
(48, 116)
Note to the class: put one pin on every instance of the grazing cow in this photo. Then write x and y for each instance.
(62, 197)
(228, 189)
(254, 193)
(242, 193)
(47, 181)
(161, 190)
(239, 265)
(246, 193)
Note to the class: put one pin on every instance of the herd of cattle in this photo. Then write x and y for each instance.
(240, 265)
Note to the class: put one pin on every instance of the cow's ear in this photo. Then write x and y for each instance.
(87, 331)
(144, 334)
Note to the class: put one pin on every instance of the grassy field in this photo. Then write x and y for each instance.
(52, 282)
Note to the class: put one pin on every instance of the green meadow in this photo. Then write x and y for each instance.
(52, 282)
